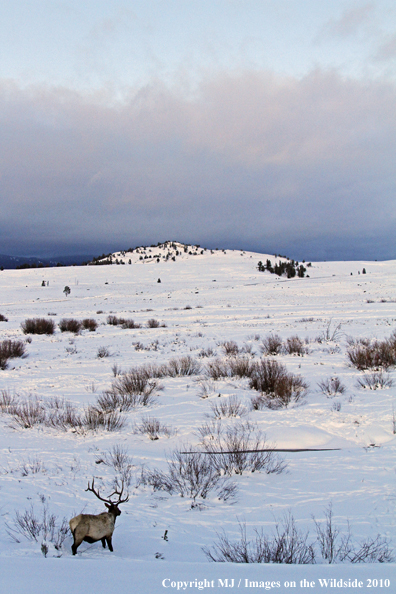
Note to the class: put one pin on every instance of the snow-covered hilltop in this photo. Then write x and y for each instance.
(174, 250)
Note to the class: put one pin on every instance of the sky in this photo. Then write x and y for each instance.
(265, 125)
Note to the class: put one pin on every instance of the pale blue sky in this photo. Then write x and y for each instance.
(84, 44)
(268, 125)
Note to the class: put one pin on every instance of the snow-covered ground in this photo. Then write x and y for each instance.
(203, 299)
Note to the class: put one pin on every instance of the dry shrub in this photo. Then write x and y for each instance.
(132, 389)
(153, 323)
(153, 428)
(29, 413)
(295, 346)
(230, 347)
(240, 367)
(190, 474)
(11, 349)
(44, 528)
(58, 413)
(287, 545)
(375, 380)
(70, 325)
(340, 548)
(3, 318)
(62, 414)
(152, 370)
(278, 387)
(8, 401)
(206, 387)
(228, 407)
(117, 457)
(216, 369)
(236, 448)
(129, 324)
(272, 345)
(208, 352)
(38, 326)
(102, 352)
(365, 354)
(183, 366)
(94, 419)
(331, 386)
(89, 324)
(114, 321)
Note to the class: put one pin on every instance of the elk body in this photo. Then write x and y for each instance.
(91, 528)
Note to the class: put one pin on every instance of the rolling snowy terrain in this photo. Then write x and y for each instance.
(210, 306)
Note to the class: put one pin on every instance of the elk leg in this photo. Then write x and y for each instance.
(78, 536)
(104, 543)
(109, 544)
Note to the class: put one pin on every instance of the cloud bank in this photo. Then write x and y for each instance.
(248, 159)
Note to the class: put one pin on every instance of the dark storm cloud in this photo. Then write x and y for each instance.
(250, 160)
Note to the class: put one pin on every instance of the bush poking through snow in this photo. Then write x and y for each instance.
(126, 324)
(128, 391)
(119, 459)
(286, 545)
(278, 387)
(11, 349)
(272, 345)
(8, 402)
(240, 367)
(190, 474)
(38, 326)
(331, 386)
(70, 325)
(365, 354)
(58, 413)
(153, 428)
(94, 419)
(289, 545)
(45, 528)
(153, 323)
(235, 449)
(3, 318)
(295, 346)
(216, 369)
(29, 413)
(338, 548)
(228, 407)
(89, 324)
(375, 380)
(330, 334)
(230, 347)
(183, 366)
(102, 352)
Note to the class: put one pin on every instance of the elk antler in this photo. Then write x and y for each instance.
(116, 492)
(119, 493)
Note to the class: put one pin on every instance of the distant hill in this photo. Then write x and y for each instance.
(13, 262)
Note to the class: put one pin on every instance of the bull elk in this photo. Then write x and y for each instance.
(90, 528)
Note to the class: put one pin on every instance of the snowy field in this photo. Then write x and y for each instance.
(202, 302)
